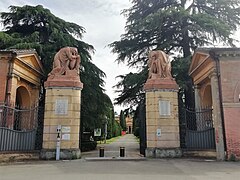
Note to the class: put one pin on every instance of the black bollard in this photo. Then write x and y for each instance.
(101, 152)
(122, 151)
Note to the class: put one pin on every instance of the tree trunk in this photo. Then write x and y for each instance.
(186, 43)
(189, 93)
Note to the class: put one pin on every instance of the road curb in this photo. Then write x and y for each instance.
(115, 159)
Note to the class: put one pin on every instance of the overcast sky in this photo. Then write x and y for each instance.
(103, 24)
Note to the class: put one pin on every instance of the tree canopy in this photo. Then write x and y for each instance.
(177, 27)
(35, 27)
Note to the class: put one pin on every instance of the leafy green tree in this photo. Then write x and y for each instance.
(129, 87)
(117, 129)
(123, 120)
(176, 27)
(109, 115)
(37, 28)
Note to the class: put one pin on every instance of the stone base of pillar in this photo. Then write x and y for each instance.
(50, 154)
(163, 152)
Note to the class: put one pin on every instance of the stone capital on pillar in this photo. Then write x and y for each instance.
(161, 83)
(197, 87)
(213, 73)
(71, 79)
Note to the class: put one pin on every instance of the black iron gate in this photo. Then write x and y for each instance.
(21, 129)
(139, 125)
(142, 127)
(143, 138)
(196, 129)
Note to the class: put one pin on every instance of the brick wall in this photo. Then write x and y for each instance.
(230, 80)
(232, 126)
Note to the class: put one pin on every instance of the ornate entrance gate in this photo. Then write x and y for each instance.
(196, 129)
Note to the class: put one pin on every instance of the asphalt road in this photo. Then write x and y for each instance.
(115, 170)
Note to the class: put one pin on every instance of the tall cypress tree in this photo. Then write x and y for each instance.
(123, 121)
(176, 27)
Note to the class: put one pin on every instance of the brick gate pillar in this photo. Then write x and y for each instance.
(62, 109)
(162, 124)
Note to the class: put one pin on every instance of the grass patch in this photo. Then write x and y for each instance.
(109, 141)
(137, 139)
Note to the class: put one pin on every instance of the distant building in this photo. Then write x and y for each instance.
(129, 124)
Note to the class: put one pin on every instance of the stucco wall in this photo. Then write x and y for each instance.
(3, 77)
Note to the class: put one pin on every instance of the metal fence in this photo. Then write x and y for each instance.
(197, 129)
(21, 129)
(200, 119)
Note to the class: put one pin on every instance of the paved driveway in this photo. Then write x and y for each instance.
(128, 141)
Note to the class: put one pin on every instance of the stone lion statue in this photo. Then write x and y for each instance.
(65, 59)
(159, 65)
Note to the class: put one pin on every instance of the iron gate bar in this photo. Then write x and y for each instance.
(196, 126)
(197, 140)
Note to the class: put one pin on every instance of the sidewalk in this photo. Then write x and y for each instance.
(128, 141)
